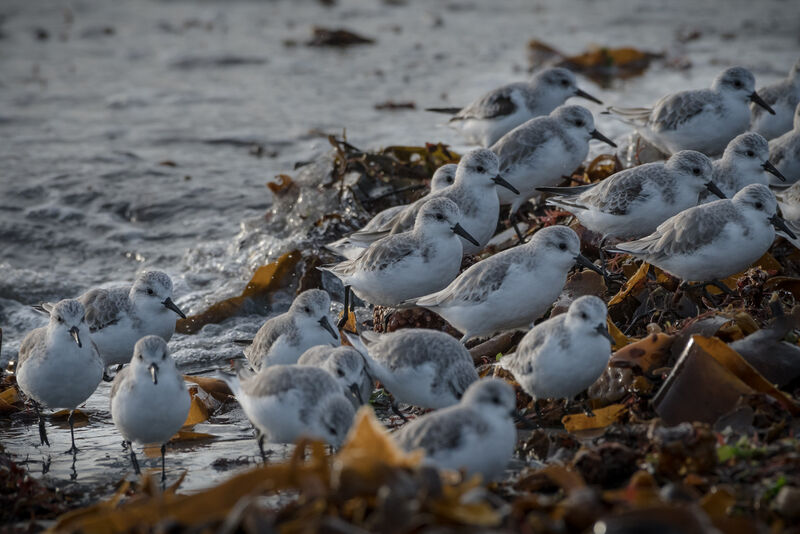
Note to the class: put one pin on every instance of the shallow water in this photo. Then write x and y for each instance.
(141, 134)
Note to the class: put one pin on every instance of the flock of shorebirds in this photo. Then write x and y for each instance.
(305, 383)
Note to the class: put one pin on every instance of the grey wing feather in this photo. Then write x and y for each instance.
(269, 332)
(521, 143)
(495, 103)
(119, 378)
(104, 306)
(537, 340)
(615, 194)
(441, 431)
(379, 255)
(674, 110)
(33, 341)
(312, 382)
(474, 284)
(684, 232)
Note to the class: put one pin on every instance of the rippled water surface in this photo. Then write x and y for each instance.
(141, 134)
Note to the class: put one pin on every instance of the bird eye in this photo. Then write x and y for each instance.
(579, 122)
(149, 291)
(332, 430)
(759, 205)
(750, 154)
(584, 316)
(340, 372)
(562, 246)
(480, 168)
(141, 357)
(59, 319)
(495, 400)
(163, 355)
(696, 171)
(439, 217)
(307, 309)
(737, 83)
(564, 83)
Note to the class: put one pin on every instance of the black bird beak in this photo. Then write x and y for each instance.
(711, 186)
(174, 307)
(154, 372)
(600, 137)
(499, 180)
(770, 168)
(760, 101)
(583, 94)
(780, 224)
(74, 333)
(326, 324)
(459, 230)
(356, 393)
(602, 329)
(583, 261)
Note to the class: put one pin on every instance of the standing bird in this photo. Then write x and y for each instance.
(715, 240)
(347, 365)
(407, 265)
(418, 366)
(351, 247)
(511, 289)
(544, 150)
(564, 355)
(149, 399)
(744, 162)
(477, 435)
(119, 317)
(633, 202)
(699, 119)
(475, 192)
(58, 365)
(783, 97)
(283, 338)
(287, 402)
(501, 110)
(784, 151)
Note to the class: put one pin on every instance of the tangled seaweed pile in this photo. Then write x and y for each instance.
(692, 428)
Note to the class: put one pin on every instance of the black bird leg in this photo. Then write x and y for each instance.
(71, 420)
(347, 308)
(163, 467)
(397, 412)
(42, 430)
(260, 441)
(134, 461)
(514, 219)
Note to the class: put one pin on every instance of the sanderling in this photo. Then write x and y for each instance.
(784, 151)
(351, 247)
(712, 241)
(119, 317)
(511, 289)
(789, 202)
(565, 354)
(149, 399)
(700, 119)
(744, 162)
(283, 338)
(501, 110)
(287, 402)
(421, 367)
(544, 150)
(347, 365)
(477, 435)
(410, 264)
(783, 96)
(58, 365)
(475, 193)
(633, 202)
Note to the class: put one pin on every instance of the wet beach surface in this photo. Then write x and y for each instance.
(141, 134)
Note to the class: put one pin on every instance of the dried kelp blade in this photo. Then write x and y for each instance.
(707, 382)
(265, 281)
